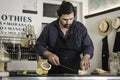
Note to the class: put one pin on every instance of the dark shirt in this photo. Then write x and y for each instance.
(48, 36)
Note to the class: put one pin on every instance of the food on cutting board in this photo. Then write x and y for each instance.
(39, 71)
(24, 72)
(99, 71)
(82, 72)
(45, 72)
(44, 68)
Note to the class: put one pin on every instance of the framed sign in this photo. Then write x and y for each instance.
(30, 6)
(95, 6)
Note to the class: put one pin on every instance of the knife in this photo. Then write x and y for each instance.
(69, 68)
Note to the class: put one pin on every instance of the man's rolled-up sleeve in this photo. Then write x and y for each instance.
(88, 47)
(42, 42)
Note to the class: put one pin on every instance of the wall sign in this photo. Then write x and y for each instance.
(30, 6)
(14, 25)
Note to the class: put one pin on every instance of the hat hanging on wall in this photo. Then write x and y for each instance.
(105, 26)
(116, 24)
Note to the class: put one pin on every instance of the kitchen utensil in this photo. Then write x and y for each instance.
(69, 68)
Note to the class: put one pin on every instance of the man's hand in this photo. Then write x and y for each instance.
(52, 58)
(85, 63)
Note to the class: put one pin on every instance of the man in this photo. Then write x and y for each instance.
(62, 42)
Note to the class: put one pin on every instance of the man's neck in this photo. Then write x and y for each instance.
(64, 30)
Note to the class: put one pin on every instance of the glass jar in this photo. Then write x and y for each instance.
(4, 55)
(119, 63)
(113, 63)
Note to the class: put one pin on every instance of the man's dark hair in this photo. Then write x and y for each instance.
(66, 8)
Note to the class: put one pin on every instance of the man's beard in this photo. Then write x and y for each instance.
(66, 25)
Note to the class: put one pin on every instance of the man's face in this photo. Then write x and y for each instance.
(66, 20)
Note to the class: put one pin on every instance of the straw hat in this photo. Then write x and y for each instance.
(105, 26)
(116, 24)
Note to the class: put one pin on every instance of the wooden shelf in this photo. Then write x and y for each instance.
(102, 12)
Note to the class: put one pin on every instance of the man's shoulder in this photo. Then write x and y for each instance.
(78, 24)
(52, 24)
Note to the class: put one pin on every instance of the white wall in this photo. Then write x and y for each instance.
(15, 7)
(92, 26)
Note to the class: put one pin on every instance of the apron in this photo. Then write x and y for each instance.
(69, 55)
(116, 47)
(105, 54)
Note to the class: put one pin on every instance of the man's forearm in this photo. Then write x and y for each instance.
(86, 57)
(46, 54)
(52, 58)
